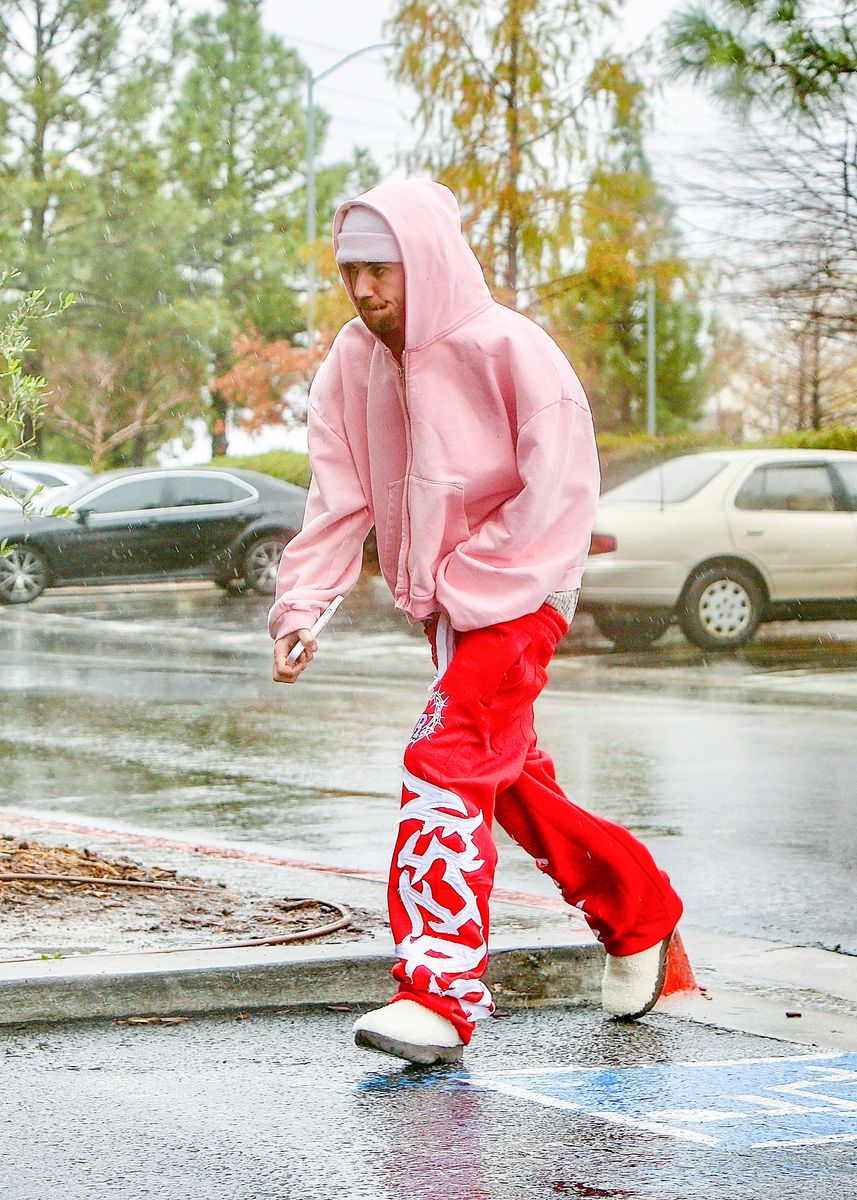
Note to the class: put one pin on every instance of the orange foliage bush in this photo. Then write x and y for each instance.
(270, 380)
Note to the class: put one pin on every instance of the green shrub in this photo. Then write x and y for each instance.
(838, 437)
(289, 465)
(624, 455)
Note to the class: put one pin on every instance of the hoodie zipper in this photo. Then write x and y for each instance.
(404, 553)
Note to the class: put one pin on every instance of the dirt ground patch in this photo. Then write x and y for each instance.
(51, 917)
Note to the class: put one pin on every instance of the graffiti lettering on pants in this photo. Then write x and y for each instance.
(441, 814)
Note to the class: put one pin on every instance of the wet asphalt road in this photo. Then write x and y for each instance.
(286, 1108)
(156, 708)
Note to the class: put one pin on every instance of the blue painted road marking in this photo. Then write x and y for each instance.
(756, 1103)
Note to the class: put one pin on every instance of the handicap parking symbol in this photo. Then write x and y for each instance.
(752, 1103)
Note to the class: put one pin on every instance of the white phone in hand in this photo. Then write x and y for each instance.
(297, 650)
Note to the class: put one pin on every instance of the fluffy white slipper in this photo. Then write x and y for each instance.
(409, 1030)
(633, 982)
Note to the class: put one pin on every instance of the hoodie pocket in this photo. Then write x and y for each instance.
(438, 524)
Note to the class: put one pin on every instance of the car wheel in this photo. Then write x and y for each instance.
(261, 561)
(721, 607)
(631, 632)
(24, 574)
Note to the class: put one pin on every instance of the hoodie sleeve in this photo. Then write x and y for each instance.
(324, 559)
(537, 541)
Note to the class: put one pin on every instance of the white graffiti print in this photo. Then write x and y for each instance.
(432, 719)
(442, 814)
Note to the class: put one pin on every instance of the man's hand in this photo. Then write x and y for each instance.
(288, 672)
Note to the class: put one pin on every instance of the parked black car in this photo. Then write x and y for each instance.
(154, 523)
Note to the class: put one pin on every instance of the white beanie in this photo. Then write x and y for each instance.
(366, 237)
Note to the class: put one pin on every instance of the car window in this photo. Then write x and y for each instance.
(786, 488)
(16, 483)
(670, 483)
(204, 489)
(43, 475)
(130, 495)
(847, 472)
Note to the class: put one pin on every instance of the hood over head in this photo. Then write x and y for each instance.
(444, 284)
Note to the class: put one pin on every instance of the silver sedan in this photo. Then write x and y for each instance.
(722, 541)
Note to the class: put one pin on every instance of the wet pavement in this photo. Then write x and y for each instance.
(155, 708)
(551, 1102)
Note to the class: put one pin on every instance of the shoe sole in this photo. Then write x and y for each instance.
(659, 986)
(425, 1056)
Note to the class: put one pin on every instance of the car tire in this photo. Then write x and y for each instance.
(24, 573)
(721, 607)
(260, 562)
(631, 632)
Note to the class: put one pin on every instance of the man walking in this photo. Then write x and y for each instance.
(458, 429)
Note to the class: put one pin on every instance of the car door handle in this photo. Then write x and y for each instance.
(755, 533)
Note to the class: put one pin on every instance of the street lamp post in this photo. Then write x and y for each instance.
(311, 231)
(651, 360)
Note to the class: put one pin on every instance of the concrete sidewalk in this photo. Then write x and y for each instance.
(202, 981)
(540, 950)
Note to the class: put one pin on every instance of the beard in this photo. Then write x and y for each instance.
(380, 321)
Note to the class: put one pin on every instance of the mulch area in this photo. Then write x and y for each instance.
(51, 918)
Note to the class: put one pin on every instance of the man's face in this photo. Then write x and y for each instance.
(379, 293)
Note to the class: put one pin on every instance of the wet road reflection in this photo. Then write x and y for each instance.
(308, 1115)
(157, 709)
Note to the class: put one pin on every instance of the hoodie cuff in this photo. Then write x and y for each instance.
(289, 619)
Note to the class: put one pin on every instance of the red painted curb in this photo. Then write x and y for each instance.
(525, 899)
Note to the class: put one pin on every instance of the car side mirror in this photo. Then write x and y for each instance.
(82, 515)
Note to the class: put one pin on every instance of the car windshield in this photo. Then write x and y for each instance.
(670, 483)
(57, 497)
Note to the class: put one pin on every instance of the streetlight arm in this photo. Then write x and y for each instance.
(348, 58)
(311, 81)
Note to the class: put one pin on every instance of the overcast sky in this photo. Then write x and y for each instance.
(367, 108)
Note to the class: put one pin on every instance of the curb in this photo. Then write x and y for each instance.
(160, 984)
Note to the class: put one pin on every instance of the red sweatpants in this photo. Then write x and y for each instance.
(473, 756)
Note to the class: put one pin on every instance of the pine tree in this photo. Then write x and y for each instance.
(236, 141)
(63, 67)
(789, 55)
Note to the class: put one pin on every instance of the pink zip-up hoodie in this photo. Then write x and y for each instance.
(475, 460)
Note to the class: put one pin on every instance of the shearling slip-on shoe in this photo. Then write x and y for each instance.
(632, 983)
(408, 1030)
